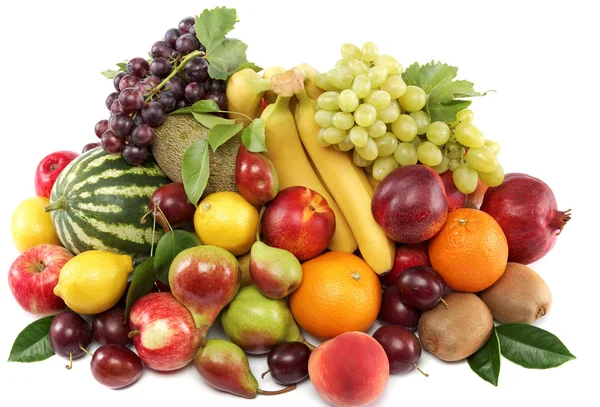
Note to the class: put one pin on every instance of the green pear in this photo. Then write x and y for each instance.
(257, 323)
(276, 272)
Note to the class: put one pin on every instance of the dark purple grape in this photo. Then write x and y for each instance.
(195, 91)
(168, 101)
(144, 87)
(121, 124)
(89, 146)
(116, 366)
(128, 81)
(171, 36)
(175, 54)
(196, 69)
(401, 346)
(117, 79)
(219, 97)
(181, 104)
(177, 87)
(69, 331)
(111, 327)
(187, 43)
(101, 127)
(137, 67)
(288, 362)
(186, 23)
(395, 311)
(192, 30)
(153, 80)
(131, 100)
(421, 287)
(217, 85)
(138, 119)
(110, 99)
(161, 49)
(111, 143)
(142, 135)
(116, 107)
(174, 205)
(135, 155)
(153, 113)
(160, 67)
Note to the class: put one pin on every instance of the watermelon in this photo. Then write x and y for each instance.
(98, 202)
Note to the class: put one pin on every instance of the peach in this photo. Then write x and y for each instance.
(351, 369)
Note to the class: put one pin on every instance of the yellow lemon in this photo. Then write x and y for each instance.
(93, 281)
(31, 226)
(226, 220)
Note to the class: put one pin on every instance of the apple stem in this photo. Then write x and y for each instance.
(86, 351)
(59, 204)
(422, 372)
(262, 376)
(258, 227)
(133, 333)
(310, 345)
(444, 302)
(274, 393)
(70, 365)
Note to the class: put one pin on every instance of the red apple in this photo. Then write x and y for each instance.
(163, 332)
(300, 221)
(34, 274)
(456, 199)
(49, 169)
(407, 256)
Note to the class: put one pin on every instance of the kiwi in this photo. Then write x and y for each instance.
(458, 331)
(519, 296)
(176, 134)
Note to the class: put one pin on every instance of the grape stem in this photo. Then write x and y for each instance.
(175, 71)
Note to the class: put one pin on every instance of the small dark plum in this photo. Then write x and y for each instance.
(110, 327)
(68, 333)
(288, 362)
(421, 287)
(116, 366)
(174, 206)
(401, 346)
(395, 311)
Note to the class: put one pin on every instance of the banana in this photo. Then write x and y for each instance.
(285, 151)
(271, 96)
(244, 91)
(311, 87)
(349, 187)
(374, 183)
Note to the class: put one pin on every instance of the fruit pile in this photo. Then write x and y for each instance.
(262, 220)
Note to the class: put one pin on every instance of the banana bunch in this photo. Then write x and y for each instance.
(292, 146)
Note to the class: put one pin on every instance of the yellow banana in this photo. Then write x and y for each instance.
(374, 183)
(270, 96)
(349, 187)
(245, 90)
(309, 81)
(285, 151)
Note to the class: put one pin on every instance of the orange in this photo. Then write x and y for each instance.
(470, 252)
(339, 293)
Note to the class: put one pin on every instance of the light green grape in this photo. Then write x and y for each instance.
(428, 153)
(340, 78)
(413, 100)
(377, 75)
(322, 82)
(453, 164)
(395, 86)
(482, 159)
(438, 133)
(390, 63)
(359, 161)
(382, 166)
(454, 154)
(379, 98)
(405, 128)
(405, 154)
(324, 118)
(492, 145)
(422, 119)
(341, 63)
(343, 120)
(348, 101)
(321, 140)
(368, 151)
(494, 178)
(350, 51)
(416, 142)
(333, 135)
(358, 136)
(361, 86)
(468, 135)
(345, 145)
(369, 168)
(390, 113)
(328, 101)
(369, 51)
(464, 116)
(442, 167)
(377, 129)
(357, 67)
(365, 115)
(465, 179)
(386, 145)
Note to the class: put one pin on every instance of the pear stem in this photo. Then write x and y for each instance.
(86, 351)
(422, 372)
(262, 376)
(274, 393)
(70, 365)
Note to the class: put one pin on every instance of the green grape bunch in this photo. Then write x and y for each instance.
(390, 118)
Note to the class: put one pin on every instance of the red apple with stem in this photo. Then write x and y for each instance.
(33, 276)
(49, 169)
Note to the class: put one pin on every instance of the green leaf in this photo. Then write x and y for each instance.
(195, 170)
(433, 75)
(221, 133)
(486, 361)
(253, 136)
(201, 106)
(412, 75)
(250, 65)
(532, 347)
(122, 66)
(169, 246)
(446, 112)
(33, 342)
(142, 282)
(210, 120)
(212, 26)
(226, 58)
(109, 73)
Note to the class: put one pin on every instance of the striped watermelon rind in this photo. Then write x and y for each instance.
(100, 201)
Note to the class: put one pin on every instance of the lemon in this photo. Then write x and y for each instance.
(31, 226)
(93, 281)
(226, 220)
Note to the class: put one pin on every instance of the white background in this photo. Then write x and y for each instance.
(540, 57)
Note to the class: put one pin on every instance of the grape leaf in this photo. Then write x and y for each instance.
(446, 112)
(110, 73)
(412, 75)
(221, 133)
(212, 26)
(226, 58)
(142, 281)
(486, 361)
(210, 120)
(250, 65)
(253, 136)
(195, 170)
(33, 342)
(201, 106)
(169, 246)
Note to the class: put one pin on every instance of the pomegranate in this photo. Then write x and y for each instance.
(525, 208)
